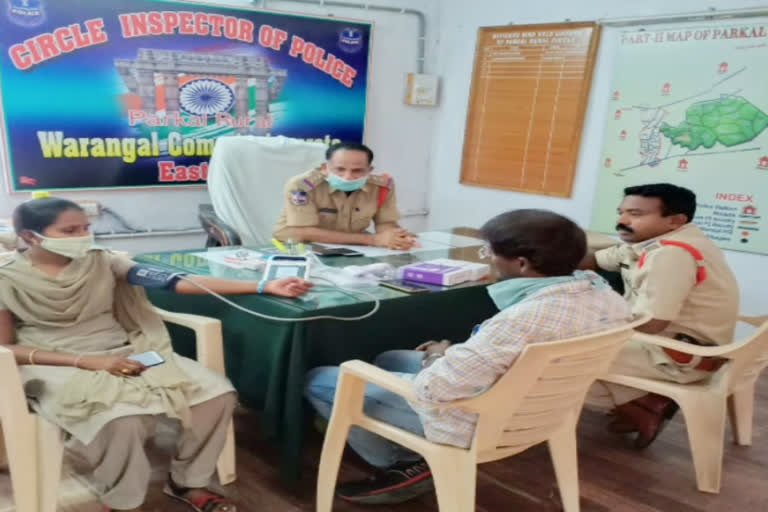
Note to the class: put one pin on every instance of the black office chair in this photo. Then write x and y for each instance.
(219, 233)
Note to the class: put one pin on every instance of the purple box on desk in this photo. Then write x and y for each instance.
(429, 273)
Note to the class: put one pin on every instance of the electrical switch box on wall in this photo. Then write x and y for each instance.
(421, 89)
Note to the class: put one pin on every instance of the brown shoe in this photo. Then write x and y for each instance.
(620, 425)
(648, 424)
(658, 404)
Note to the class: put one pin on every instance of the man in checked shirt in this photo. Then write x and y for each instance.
(541, 297)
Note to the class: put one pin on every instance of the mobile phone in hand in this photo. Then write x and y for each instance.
(148, 359)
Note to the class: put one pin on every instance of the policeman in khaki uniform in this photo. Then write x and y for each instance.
(336, 202)
(673, 271)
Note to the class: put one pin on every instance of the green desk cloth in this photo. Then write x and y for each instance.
(267, 360)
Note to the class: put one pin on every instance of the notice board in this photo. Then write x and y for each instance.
(688, 105)
(134, 93)
(530, 86)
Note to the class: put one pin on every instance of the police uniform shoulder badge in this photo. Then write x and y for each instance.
(381, 180)
(312, 179)
(299, 197)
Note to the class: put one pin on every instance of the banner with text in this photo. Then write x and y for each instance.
(133, 93)
(689, 106)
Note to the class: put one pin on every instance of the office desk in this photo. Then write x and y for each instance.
(267, 360)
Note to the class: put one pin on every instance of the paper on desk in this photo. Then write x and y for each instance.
(429, 241)
(449, 239)
(235, 258)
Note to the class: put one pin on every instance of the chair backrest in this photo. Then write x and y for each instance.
(748, 358)
(543, 389)
(246, 178)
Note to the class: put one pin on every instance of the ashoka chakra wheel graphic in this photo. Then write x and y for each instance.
(206, 96)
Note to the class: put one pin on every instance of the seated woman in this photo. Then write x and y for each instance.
(72, 318)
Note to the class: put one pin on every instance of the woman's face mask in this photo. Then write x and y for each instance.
(69, 234)
(69, 246)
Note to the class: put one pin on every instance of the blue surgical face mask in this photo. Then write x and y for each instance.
(340, 183)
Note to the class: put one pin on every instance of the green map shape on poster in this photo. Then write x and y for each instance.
(729, 120)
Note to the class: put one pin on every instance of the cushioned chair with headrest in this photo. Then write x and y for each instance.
(246, 178)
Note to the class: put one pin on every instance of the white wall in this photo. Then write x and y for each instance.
(454, 204)
(400, 135)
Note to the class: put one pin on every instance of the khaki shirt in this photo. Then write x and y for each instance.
(309, 201)
(666, 285)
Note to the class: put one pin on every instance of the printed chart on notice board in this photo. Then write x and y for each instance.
(689, 106)
(529, 93)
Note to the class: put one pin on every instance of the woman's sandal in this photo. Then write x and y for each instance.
(207, 502)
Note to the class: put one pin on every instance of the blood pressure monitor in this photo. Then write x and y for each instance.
(279, 266)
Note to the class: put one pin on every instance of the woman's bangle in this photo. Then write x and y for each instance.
(262, 284)
(31, 357)
(77, 361)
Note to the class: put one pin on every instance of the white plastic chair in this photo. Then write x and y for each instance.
(539, 399)
(247, 176)
(34, 446)
(704, 404)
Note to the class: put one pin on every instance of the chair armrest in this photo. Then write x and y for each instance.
(688, 348)
(397, 385)
(208, 339)
(194, 322)
(216, 228)
(756, 321)
(12, 402)
(381, 378)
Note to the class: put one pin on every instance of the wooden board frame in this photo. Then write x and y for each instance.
(493, 161)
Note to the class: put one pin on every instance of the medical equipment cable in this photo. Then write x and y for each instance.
(376, 306)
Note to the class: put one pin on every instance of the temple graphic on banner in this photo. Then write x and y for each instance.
(171, 82)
